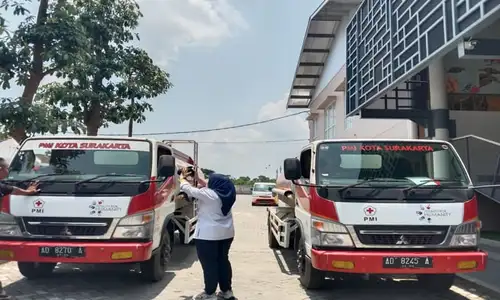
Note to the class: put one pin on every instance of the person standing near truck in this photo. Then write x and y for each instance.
(214, 233)
(5, 190)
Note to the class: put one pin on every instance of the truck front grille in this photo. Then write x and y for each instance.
(66, 226)
(401, 235)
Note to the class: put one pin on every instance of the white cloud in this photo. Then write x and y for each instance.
(169, 25)
(253, 159)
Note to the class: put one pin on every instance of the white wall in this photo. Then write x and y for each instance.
(485, 124)
(326, 91)
(337, 57)
(364, 128)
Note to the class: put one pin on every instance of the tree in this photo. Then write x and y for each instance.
(242, 180)
(245, 180)
(263, 178)
(42, 44)
(112, 83)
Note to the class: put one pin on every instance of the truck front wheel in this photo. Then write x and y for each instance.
(154, 268)
(34, 270)
(310, 278)
(436, 282)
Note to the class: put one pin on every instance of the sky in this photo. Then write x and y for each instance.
(231, 62)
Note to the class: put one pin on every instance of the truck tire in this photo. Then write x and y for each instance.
(33, 270)
(310, 278)
(436, 282)
(154, 269)
(273, 243)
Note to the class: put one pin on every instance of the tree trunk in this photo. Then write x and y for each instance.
(130, 127)
(93, 121)
(36, 73)
(131, 120)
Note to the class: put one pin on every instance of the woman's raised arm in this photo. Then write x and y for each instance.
(202, 194)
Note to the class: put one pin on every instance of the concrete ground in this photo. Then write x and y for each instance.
(489, 278)
(259, 273)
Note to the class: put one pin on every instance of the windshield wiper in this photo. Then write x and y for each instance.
(368, 180)
(42, 176)
(105, 175)
(416, 186)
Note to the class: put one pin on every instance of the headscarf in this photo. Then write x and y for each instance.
(225, 189)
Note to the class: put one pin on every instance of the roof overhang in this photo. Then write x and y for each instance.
(318, 40)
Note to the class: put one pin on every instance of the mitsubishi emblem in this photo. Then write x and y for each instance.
(402, 241)
(65, 231)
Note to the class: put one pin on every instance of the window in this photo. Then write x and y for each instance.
(348, 123)
(314, 129)
(125, 158)
(160, 152)
(305, 163)
(330, 122)
(395, 163)
(76, 164)
(263, 187)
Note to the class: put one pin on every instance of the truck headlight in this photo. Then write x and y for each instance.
(466, 234)
(8, 226)
(328, 233)
(135, 226)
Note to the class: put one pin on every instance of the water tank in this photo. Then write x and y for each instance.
(282, 182)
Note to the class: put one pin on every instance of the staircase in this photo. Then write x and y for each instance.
(482, 160)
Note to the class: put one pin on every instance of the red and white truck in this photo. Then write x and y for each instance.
(378, 206)
(102, 200)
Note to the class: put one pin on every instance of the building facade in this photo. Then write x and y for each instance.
(320, 80)
(406, 69)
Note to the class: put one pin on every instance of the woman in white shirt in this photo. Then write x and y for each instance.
(214, 233)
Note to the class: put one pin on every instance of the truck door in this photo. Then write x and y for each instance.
(302, 206)
(165, 190)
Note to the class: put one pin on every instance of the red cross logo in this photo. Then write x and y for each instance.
(38, 203)
(369, 211)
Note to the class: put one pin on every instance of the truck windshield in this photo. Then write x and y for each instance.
(80, 164)
(261, 187)
(394, 163)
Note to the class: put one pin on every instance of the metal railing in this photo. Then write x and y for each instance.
(482, 160)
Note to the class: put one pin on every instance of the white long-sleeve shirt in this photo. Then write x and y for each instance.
(212, 224)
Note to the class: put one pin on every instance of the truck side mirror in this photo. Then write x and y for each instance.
(166, 166)
(292, 169)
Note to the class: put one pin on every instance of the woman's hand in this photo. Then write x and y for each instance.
(33, 188)
(183, 174)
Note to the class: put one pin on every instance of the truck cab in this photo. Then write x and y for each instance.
(380, 207)
(102, 200)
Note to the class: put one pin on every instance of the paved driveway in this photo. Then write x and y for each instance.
(259, 273)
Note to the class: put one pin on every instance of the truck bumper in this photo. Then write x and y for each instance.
(28, 251)
(264, 201)
(371, 262)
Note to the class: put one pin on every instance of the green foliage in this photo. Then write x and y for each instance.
(42, 43)
(112, 84)
(242, 180)
(87, 44)
(245, 180)
(36, 118)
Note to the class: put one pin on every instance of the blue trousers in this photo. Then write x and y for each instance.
(214, 259)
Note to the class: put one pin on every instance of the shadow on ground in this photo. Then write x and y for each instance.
(120, 281)
(380, 287)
